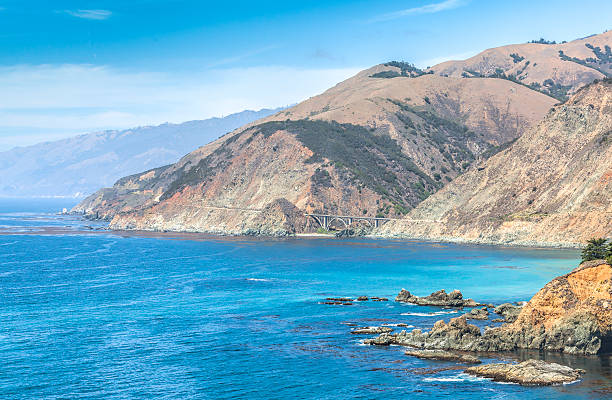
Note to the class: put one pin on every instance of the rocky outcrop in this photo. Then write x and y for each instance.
(439, 298)
(530, 372)
(371, 330)
(478, 313)
(571, 314)
(354, 232)
(442, 355)
(279, 218)
(552, 187)
(508, 311)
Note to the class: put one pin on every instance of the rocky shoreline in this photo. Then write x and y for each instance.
(279, 232)
(571, 314)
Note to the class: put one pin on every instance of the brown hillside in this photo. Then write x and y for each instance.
(552, 187)
(568, 66)
(376, 144)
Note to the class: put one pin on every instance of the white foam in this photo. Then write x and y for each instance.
(258, 280)
(462, 377)
(398, 325)
(416, 314)
(449, 379)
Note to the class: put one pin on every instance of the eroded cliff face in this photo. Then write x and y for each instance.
(553, 186)
(571, 314)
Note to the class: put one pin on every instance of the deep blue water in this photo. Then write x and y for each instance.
(95, 314)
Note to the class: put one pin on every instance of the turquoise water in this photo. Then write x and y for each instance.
(94, 314)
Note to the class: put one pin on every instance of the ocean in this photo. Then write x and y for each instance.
(96, 314)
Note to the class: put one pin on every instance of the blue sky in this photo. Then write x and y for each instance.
(68, 67)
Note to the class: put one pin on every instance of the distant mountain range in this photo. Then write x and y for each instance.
(80, 165)
(379, 144)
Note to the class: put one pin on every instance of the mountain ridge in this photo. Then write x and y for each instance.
(440, 127)
(82, 164)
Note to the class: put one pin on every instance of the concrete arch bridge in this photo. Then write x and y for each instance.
(325, 221)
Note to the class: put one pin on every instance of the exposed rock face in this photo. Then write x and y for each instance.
(552, 187)
(357, 232)
(530, 372)
(371, 330)
(439, 298)
(279, 218)
(509, 311)
(478, 313)
(571, 314)
(443, 356)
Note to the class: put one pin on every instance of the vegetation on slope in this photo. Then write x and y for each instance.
(364, 158)
(549, 87)
(602, 61)
(361, 157)
(406, 70)
(597, 249)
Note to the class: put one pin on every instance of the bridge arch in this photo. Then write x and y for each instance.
(346, 225)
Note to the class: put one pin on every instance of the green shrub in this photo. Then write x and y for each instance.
(543, 41)
(516, 58)
(596, 249)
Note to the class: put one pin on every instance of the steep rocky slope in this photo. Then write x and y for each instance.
(553, 186)
(376, 144)
(555, 69)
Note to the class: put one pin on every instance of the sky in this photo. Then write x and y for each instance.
(69, 67)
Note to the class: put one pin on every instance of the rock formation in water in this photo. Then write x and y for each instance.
(371, 330)
(530, 372)
(442, 355)
(552, 187)
(508, 311)
(571, 314)
(439, 298)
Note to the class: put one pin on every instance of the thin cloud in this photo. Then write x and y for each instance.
(426, 9)
(240, 57)
(68, 99)
(98, 15)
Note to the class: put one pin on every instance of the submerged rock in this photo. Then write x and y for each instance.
(371, 330)
(439, 298)
(341, 299)
(442, 355)
(374, 298)
(530, 372)
(362, 298)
